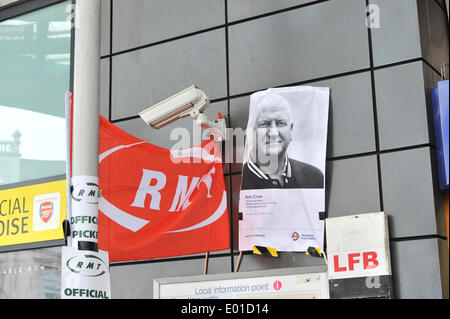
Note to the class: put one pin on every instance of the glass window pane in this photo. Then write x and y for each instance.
(34, 76)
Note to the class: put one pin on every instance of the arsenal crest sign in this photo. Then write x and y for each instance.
(46, 211)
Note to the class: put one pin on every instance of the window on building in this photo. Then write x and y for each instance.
(34, 76)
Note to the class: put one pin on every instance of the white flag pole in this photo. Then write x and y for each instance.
(86, 97)
(68, 111)
(85, 269)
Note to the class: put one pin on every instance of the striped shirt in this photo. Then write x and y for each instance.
(265, 179)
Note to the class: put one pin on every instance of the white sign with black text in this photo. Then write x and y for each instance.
(85, 274)
(287, 284)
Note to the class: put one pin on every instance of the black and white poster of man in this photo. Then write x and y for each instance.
(283, 176)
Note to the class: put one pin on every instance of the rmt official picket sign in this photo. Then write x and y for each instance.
(85, 274)
(84, 220)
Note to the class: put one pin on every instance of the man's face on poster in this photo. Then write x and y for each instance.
(274, 129)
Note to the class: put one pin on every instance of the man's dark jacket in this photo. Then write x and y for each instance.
(303, 176)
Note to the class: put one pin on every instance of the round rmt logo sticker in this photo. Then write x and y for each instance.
(87, 265)
(85, 192)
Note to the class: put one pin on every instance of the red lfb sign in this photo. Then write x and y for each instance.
(359, 262)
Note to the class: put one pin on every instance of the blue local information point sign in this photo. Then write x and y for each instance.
(440, 111)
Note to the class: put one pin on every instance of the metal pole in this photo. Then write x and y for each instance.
(86, 93)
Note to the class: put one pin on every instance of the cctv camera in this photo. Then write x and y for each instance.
(190, 102)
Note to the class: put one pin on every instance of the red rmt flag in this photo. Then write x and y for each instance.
(159, 203)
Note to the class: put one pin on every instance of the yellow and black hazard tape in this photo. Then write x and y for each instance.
(314, 252)
(265, 251)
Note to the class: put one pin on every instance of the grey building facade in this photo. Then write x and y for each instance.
(381, 148)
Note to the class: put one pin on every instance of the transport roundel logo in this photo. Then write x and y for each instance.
(295, 236)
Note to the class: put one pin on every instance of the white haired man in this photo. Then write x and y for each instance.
(268, 165)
